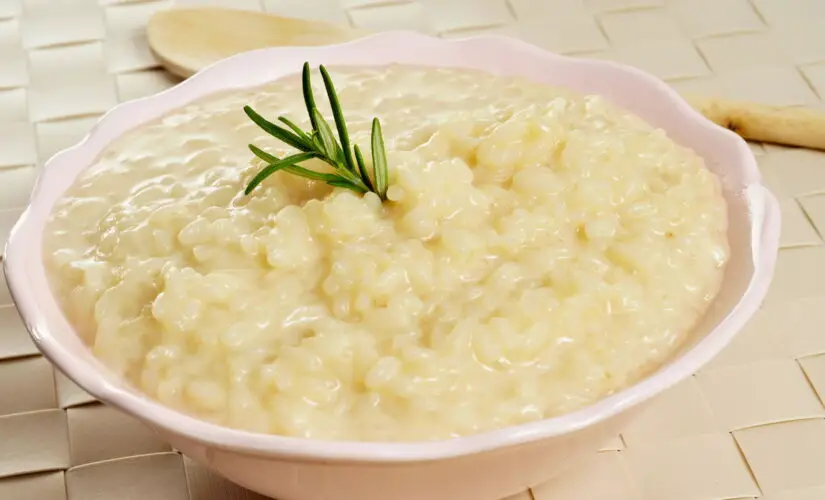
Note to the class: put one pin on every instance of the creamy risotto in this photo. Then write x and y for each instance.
(540, 250)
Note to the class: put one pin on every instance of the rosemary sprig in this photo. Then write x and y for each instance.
(350, 170)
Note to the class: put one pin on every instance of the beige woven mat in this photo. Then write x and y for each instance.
(751, 425)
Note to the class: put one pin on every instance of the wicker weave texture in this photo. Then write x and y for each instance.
(751, 425)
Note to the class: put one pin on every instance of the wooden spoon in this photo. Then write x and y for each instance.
(186, 40)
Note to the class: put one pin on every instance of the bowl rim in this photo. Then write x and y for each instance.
(107, 388)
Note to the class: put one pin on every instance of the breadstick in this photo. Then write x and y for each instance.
(791, 126)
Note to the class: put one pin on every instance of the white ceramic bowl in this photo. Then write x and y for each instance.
(487, 466)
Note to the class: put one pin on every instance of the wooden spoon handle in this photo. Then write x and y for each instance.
(790, 126)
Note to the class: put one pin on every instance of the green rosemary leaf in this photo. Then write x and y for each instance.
(276, 131)
(338, 115)
(276, 166)
(379, 160)
(260, 153)
(362, 168)
(303, 172)
(348, 185)
(342, 172)
(331, 147)
(311, 174)
(309, 98)
(317, 142)
(295, 128)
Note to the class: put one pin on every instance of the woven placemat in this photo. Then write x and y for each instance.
(751, 425)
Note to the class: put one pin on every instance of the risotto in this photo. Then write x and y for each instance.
(539, 250)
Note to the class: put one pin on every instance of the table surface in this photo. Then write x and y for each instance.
(750, 425)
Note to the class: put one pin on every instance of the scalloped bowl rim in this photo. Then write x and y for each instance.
(220, 77)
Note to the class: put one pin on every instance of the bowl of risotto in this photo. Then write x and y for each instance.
(533, 247)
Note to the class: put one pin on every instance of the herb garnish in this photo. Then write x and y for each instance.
(346, 160)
